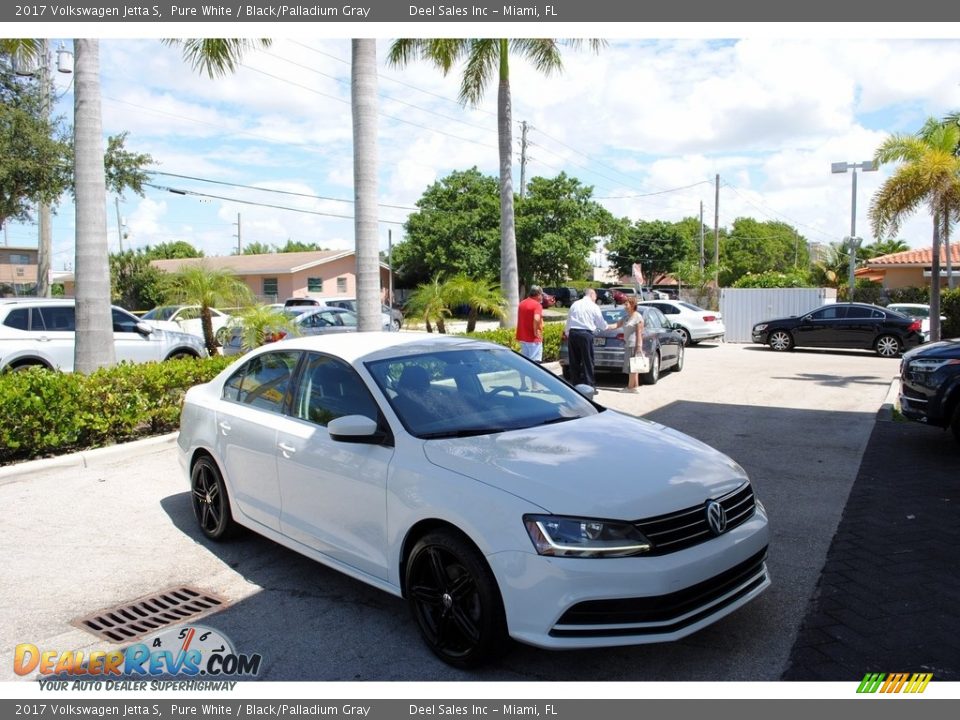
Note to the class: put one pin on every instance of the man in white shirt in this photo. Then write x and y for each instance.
(583, 320)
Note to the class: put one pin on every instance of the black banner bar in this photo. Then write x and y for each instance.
(483, 11)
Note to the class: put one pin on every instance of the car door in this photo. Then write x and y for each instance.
(860, 327)
(253, 402)
(655, 324)
(131, 344)
(334, 493)
(53, 327)
(821, 328)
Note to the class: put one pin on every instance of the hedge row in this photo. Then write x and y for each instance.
(552, 333)
(48, 413)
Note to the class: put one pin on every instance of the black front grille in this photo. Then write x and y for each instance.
(686, 528)
(738, 581)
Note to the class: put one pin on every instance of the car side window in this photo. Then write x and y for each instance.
(188, 313)
(828, 313)
(55, 319)
(330, 389)
(877, 315)
(18, 319)
(124, 322)
(859, 313)
(264, 381)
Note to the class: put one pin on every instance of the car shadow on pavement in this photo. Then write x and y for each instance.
(828, 380)
(313, 623)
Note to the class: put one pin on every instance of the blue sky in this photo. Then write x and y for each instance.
(647, 122)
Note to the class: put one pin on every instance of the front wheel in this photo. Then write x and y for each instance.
(780, 340)
(888, 346)
(455, 600)
(679, 366)
(684, 334)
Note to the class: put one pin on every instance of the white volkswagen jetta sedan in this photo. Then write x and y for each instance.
(424, 465)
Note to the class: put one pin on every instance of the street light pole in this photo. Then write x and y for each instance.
(854, 241)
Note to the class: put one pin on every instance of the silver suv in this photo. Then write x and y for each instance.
(40, 331)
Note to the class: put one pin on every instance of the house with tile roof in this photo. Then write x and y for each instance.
(910, 268)
(274, 277)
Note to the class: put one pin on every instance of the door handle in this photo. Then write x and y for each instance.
(43, 338)
(287, 449)
(225, 427)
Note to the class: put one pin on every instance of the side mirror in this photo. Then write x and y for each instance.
(355, 429)
(807, 319)
(585, 390)
(144, 328)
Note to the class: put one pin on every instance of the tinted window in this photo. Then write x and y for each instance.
(831, 312)
(263, 382)
(17, 319)
(57, 319)
(654, 319)
(854, 312)
(330, 389)
(124, 322)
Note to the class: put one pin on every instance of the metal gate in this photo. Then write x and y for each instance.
(742, 308)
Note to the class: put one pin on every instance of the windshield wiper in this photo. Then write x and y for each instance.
(462, 432)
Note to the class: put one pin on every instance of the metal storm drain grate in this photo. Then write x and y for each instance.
(154, 612)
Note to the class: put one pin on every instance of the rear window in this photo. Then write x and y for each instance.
(297, 302)
(17, 319)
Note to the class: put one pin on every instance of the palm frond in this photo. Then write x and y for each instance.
(217, 56)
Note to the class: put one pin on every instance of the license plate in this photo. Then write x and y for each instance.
(599, 341)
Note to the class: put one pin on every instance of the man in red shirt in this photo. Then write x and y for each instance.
(530, 324)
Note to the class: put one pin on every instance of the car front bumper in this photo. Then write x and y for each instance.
(578, 602)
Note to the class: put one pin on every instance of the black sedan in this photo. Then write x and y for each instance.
(842, 325)
(661, 343)
(930, 385)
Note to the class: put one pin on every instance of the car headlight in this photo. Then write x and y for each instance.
(760, 328)
(929, 365)
(584, 537)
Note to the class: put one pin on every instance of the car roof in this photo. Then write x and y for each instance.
(374, 345)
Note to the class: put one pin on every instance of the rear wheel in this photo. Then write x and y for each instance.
(780, 340)
(651, 377)
(888, 346)
(455, 600)
(211, 506)
(679, 366)
(684, 333)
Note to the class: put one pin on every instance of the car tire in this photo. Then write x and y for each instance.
(684, 333)
(780, 340)
(211, 506)
(396, 326)
(651, 377)
(955, 423)
(888, 346)
(181, 355)
(222, 335)
(455, 600)
(679, 364)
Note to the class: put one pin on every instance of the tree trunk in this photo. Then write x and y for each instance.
(472, 319)
(946, 252)
(509, 273)
(935, 281)
(206, 322)
(363, 95)
(94, 346)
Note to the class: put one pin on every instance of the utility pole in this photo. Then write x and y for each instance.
(390, 263)
(523, 158)
(239, 245)
(119, 223)
(716, 236)
(701, 236)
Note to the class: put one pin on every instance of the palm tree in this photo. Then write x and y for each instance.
(207, 287)
(429, 302)
(363, 101)
(481, 296)
(929, 174)
(258, 321)
(886, 247)
(483, 58)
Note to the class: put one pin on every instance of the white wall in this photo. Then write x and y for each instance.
(742, 308)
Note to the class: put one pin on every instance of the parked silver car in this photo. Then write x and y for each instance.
(41, 332)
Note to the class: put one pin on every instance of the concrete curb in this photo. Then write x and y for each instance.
(891, 401)
(88, 458)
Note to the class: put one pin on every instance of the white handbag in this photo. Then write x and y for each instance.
(639, 364)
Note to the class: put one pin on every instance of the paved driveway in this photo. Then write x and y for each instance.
(84, 538)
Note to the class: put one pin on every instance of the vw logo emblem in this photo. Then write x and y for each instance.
(716, 517)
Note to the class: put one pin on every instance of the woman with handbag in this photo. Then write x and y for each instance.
(633, 357)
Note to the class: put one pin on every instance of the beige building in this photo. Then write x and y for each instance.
(18, 270)
(911, 268)
(274, 277)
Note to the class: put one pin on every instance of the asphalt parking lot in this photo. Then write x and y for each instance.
(79, 539)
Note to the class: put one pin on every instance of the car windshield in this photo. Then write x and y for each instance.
(161, 313)
(464, 392)
(612, 316)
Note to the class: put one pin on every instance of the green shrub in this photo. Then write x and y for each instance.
(775, 279)
(49, 413)
(950, 309)
(552, 333)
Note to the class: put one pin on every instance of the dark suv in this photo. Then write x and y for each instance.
(565, 296)
(930, 385)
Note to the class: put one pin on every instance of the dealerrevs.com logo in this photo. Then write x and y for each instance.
(191, 651)
(894, 682)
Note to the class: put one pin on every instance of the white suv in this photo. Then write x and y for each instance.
(694, 323)
(40, 331)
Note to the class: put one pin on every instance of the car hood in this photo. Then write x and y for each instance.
(942, 349)
(606, 465)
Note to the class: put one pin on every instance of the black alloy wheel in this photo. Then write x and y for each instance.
(211, 506)
(455, 600)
